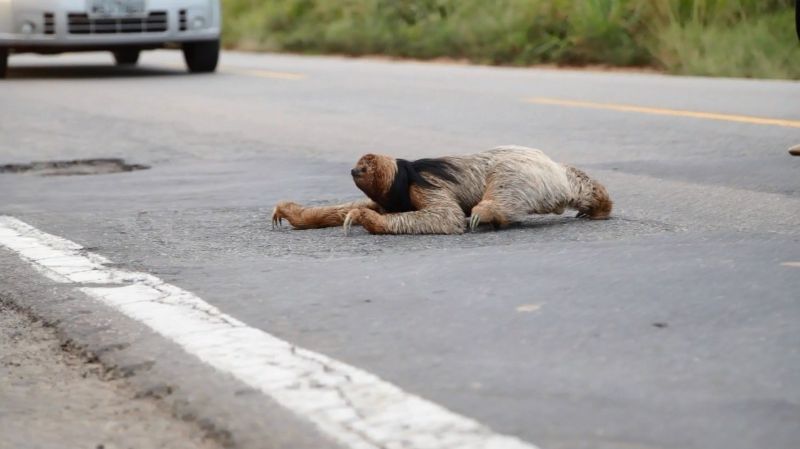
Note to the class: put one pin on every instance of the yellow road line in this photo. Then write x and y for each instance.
(671, 112)
(527, 308)
(265, 74)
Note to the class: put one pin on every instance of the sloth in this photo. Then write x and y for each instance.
(500, 187)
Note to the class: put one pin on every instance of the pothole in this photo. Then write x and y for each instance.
(73, 168)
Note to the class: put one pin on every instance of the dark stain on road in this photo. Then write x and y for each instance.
(76, 167)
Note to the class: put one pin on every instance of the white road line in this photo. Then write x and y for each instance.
(356, 408)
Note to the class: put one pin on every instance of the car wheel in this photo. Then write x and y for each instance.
(126, 56)
(201, 57)
(3, 62)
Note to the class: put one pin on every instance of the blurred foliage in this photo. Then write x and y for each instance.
(753, 38)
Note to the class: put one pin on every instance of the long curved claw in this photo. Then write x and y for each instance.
(348, 221)
(581, 215)
(474, 221)
(277, 218)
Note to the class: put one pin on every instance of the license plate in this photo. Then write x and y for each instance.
(115, 8)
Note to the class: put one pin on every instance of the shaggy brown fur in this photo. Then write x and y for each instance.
(434, 196)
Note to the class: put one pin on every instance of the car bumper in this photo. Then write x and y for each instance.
(65, 24)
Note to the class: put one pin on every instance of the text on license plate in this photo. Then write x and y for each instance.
(115, 8)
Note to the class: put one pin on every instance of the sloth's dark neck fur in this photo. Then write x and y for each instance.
(398, 198)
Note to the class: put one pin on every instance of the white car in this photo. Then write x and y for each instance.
(124, 27)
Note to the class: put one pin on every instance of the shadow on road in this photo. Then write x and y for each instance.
(87, 72)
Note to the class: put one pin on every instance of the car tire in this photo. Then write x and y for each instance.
(126, 56)
(3, 62)
(201, 57)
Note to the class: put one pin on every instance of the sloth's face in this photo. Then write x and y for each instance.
(361, 169)
(373, 174)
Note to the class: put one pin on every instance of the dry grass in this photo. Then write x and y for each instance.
(750, 38)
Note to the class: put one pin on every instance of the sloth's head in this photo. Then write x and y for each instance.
(388, 181)
(374, 175)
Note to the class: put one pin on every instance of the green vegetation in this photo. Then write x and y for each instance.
(749, 38)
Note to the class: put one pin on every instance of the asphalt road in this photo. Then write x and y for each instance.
(673, 325)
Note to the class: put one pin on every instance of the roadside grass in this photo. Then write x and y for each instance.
(756, 48)
(745, 38)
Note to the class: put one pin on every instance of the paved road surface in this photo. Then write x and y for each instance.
(673, 325)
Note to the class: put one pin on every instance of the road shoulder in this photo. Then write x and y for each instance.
(53, 397)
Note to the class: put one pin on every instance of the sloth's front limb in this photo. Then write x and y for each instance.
(443, 220)
(488, 211)
(301, 217)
